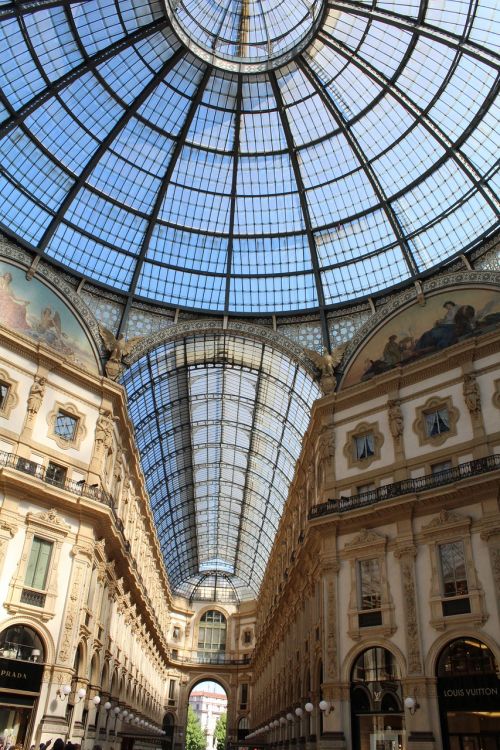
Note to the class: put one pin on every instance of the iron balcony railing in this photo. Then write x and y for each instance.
(408, 486)
(39, 471)
(209, 659)
(94, 492)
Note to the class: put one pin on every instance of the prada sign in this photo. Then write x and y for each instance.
(20, 675)
(470, 693)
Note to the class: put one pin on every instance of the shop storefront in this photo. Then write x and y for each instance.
(469, 696)
(21, 670)
(377, 715)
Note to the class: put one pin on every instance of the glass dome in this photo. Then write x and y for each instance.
(245, 35)
(232, 157)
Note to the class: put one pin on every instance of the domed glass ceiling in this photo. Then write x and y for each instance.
(245, 35)
(350, 150)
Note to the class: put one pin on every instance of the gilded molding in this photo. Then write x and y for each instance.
(366, 537)
(445, 519)
(490, 530)
(50, 519)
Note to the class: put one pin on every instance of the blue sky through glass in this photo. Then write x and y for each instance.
(368, 159)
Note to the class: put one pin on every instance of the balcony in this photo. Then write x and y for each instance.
(408, 487)
(26, 466)
(215, 658)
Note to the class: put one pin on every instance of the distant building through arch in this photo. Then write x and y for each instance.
(209, 701)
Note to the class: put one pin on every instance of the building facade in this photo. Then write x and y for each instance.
(208, 706)
(377, 622)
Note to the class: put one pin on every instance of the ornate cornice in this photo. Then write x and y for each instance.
(237, 328)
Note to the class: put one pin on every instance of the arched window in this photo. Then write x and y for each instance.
(376, 700)
(212, 635)
(21, 642)
(243, 728)
(468, 688)
(465, 656)
(374, 665)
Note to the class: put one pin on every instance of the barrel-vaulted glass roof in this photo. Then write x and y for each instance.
(219, 420)
(253, 159)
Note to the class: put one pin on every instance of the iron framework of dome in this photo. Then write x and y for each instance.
(361, 163)
(242, 158)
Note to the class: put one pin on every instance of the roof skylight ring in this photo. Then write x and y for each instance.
(265, 34)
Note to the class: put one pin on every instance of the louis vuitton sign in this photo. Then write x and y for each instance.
(472, 693)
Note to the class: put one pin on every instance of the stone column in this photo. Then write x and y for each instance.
(77, 591)
(333, 737)
(419, 724)
(7, 532)
(406, 555)
(491, 535)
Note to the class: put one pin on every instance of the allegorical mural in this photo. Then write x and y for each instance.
(31, 308)
(444, 320)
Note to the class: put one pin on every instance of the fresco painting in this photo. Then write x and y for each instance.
(31, 308)
(417, 331)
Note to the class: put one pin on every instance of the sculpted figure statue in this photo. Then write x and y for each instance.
(36, 394)
(104, 430)
(396, 422)
(327, 364)
(472, 396)
(118, 348)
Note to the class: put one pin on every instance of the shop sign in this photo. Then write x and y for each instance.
(20, 675)
(470, 693)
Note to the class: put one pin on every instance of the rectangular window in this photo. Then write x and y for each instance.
(453, 569)
(244, 696)
(38, 564)
(364, 446)
(437, 422)
(27, 466)
(65, 425)
(370, 487)
(55, 474)
(369, 584)
(171, 690)
(441, 466)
